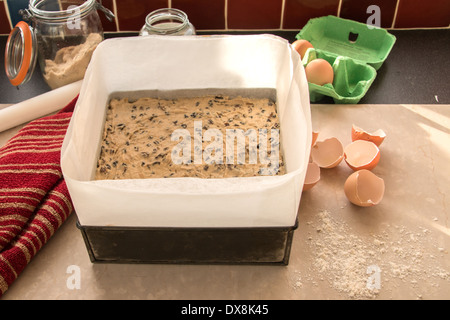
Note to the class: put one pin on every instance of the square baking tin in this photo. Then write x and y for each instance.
(189, 220)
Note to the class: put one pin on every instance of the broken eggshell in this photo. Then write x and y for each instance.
(315, 135)
(363, 188)
(312, 176)
(376, 137)
(362, 154)
(327, 153)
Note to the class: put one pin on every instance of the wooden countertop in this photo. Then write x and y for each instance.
(396, 250)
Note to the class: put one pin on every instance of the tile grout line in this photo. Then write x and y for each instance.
(338, 13)
(394, 19)
(226, 14)
(116, 18)
(5, 4)
(283, 7)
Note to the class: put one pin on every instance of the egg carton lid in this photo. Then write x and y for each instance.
(344, 37)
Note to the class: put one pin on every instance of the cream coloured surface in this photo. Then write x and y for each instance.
(406, 238)
(8, 134)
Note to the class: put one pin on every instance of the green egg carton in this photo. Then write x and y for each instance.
(352, 79)
(355, 51)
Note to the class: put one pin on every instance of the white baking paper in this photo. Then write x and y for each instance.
(38, 106)
(155, 65)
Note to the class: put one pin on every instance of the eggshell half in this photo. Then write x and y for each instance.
(362, 154)
(327, 153)
(376, 137)
(363, 188)
(315, 135)
(312, 176)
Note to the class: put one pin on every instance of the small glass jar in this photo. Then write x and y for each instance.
(167, 21)
(62, 37)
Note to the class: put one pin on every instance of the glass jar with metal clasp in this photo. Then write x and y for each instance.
(61, 36)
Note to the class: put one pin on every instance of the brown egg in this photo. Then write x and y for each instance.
(362, 154)
(363, 188)
(312, 176)
(376, 137)
(319, 71)
(301, 46)
(327, 153)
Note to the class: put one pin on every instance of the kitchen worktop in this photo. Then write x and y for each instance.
(337, 249)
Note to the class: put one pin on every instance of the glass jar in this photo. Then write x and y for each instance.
(167, 21)
(62, 37)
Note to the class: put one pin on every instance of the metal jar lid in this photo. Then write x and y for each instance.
(20, 54)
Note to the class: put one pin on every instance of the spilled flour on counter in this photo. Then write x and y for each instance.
(342, 258)
(360, 267)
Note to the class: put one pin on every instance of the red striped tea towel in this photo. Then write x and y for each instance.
(34, 200)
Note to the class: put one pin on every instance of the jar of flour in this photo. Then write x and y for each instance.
(61, 37)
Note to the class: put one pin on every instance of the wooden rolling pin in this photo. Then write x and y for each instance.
(38, 106)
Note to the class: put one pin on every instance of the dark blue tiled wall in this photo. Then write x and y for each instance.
(14, 7)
